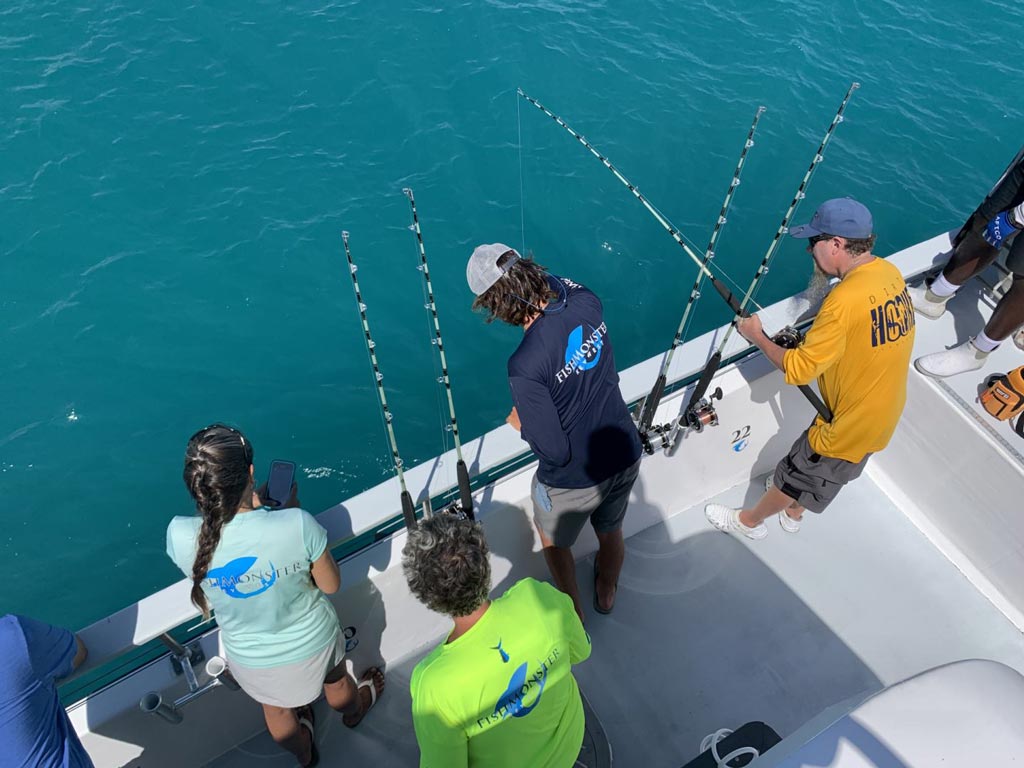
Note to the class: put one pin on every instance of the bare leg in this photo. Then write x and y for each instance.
(773, 502)
(345, 696)
(971, 257)
(1009, 312)
(285, 730)
(562, 565)
(611, 552)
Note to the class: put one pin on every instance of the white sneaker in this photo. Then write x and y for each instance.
(960, 359)
(927, 303)
(727, 519)
(789, 524)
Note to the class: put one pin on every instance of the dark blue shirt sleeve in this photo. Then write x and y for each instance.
(51, 649)
(541, 427)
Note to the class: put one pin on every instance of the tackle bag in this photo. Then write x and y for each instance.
(1003, 397)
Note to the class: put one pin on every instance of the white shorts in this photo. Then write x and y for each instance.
(290, 685)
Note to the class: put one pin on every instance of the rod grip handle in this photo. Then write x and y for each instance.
(465, 496)
(408, 510)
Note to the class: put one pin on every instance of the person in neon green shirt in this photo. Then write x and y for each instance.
(499, 691)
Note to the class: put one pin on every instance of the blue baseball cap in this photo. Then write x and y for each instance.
(841, 216)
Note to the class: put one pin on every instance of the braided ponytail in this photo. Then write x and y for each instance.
(217, 462)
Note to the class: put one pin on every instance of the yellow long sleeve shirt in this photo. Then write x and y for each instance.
(859, 351)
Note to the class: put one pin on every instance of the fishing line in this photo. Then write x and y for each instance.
(465, 496)
(651, 402)
(716, 359)
(705, 269)
(522, 196)
(408, 511)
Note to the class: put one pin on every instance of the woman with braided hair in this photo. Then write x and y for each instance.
(267, 573)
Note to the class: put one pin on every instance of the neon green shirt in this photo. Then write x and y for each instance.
(503, 694)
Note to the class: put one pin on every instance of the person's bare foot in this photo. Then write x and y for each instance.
(370, 687)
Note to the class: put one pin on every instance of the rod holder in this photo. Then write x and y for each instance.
(153, 704)
(217, 668)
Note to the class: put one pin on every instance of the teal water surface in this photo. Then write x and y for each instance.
(174, 181)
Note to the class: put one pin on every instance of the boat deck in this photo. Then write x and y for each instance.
(712, 630)
(917, 563)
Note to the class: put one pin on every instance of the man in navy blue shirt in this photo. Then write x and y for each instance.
(35, 731)
(568, 407)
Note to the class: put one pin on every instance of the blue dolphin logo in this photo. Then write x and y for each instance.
(574, 350)
(512, 699)
(227, 576)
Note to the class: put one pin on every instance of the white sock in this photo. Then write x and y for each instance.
(984, 343)
(941, 287)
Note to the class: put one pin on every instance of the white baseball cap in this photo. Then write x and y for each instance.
(482, 270)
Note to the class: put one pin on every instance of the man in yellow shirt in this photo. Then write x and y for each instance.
(499, 691)
(858, 349)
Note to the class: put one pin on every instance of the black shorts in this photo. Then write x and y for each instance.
(811, 479)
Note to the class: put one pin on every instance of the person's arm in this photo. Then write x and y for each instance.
(579, 640)
(824, 344)
(751, 330)
(53, 652)
(322, 568)
(541, 426)
(325, 573)
(81, 654)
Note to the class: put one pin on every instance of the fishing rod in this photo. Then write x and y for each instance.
(651, 402)
(465, 505)
(705, 269)
(997, 189)
(698, 412)
(408, 511)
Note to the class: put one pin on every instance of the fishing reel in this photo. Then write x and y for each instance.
(788, 338)
(702, 413)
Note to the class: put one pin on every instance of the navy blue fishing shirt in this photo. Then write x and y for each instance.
(566, 391)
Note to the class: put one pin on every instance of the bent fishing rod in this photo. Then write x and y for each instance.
(465, 504)
(704, 268)
(696, 414)
(651, 402)
(408, 511)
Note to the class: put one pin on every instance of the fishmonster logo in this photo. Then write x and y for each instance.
(582, 354)
(229, 576)
(521, 686)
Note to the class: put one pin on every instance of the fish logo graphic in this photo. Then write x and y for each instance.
(511, 700)
(580, 354)
(499, 649)
(227, 577)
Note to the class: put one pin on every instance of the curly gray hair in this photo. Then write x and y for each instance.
(446, 565)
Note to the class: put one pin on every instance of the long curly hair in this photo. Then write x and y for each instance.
(217, 462)
(519, 293)
(446, 564)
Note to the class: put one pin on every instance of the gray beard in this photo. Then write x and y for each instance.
(817, 287)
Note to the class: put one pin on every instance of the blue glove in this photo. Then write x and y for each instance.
(1000, 228)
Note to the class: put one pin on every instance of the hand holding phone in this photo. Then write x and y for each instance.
(281, 490)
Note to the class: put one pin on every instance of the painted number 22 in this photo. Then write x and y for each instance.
(740, 438)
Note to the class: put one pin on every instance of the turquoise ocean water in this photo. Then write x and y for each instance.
(174, 181)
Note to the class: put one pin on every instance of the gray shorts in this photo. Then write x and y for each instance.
(562, 512)
(291, 685)
(812, 479)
